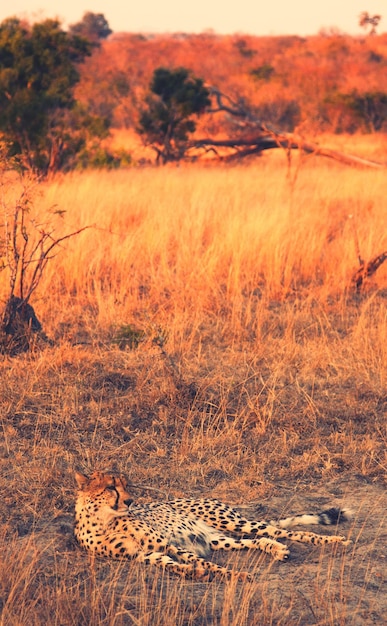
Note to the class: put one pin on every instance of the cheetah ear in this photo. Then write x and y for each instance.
(81, 479)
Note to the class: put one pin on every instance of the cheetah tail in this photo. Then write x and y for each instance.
(329, 517)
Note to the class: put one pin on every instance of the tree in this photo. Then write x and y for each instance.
(38, 73)
(371, 109)
(92, 27)
(360, 110)
(366, 20)
(167, 121)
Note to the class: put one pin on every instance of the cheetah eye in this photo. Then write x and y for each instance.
(111, 488)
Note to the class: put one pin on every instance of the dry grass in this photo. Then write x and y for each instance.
(258, 378)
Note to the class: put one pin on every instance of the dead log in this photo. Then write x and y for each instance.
(255, 145)
(258, 136)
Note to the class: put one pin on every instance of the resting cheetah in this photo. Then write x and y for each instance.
(179, 535)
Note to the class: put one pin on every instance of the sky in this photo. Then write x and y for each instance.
(256, 17)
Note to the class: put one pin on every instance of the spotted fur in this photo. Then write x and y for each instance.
(180, 535)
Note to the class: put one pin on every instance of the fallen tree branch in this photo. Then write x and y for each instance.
(262, 136)
(270, 141)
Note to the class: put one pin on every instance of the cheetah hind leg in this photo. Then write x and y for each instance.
(278, 550)
(278, 530)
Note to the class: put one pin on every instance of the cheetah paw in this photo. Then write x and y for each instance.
(342, 540)
(244, 576)
(281, 554)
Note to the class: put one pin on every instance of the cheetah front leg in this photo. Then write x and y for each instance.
(193, 566)
(206, 567)
(203, 567)
(150, 547)
(163, 560)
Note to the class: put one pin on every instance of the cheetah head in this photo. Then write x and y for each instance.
(107, 495)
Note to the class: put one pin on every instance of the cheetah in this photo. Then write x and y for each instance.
(179, 535)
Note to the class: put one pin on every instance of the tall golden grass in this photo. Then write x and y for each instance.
(184, 242)
(252, 373)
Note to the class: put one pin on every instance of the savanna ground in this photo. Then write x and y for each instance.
(207, 342)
